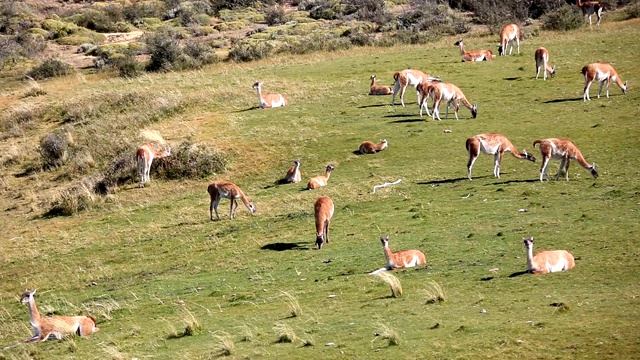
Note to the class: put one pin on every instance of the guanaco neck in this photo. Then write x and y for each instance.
(373, 81)
(34, 314)
(530, 258)
(327, 173)
(259, 90)
(387, 252)
(462, 52)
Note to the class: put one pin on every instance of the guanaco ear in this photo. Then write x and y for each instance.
(34, 290)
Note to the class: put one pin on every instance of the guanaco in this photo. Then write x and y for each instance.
(441, 91)
(474, 55)
(601, 72)
(492, 144)
(323, 209)
(269, 100)
(590, 8)
(224, 189)
(402, 258)
(55, 327)
(369, 147)
(408, 77)
(542, 63)
(145, 155)
(564, 150)
(319, 181)
(509, 33)
(293, 175)
(547, 261)
(379, 89)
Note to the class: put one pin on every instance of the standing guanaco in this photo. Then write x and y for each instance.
(601, 72)
(509, 33)
(145, 155)
(224, 189)
(323, 209)
(542, 63)
(564, 150)
(492, 144)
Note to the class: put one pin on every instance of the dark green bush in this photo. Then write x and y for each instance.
(127, 65)
(633, 11)
(192, 161)
(244, 51)
(53, 150)
(369, 10)
(275, 15)
(566, 18)
(50, 68)
(164, 49)
(122, 170)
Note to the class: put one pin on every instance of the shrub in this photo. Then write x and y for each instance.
(244, 51)
(370, 10)
(633, 11)
(50, 68)
(325, 9)
(127, 65)
(275, 16)
(193, 161)
(122, 170)
(73, 199)
(566, 18)
(58, 29)
(53, 150)
(163, 48)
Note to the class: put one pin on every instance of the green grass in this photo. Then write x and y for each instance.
(149, 256)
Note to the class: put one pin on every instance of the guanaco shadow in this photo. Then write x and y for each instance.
(447, 181)
(513, 182)
(399, 116)
(372, 106)
(408, 120)
(561, 100)
(519, 273)
(512, 78)
(280, 246)
(248, 109)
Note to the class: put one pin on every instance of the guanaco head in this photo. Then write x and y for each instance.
(296, 162)
(528, 242)
(257, 85)
(330, 168)
(500, 49)
(625, 89)
(528, 156)
(474, 111)
(384, 144)
(458, 43)
(319, 241)
(251, 208)
(384, 240)
(594, 171)
(27, 296)
(553, 71)
(373, 77)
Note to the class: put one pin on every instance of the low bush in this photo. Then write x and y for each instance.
(73, 199)
(633, 11)
(164, 49)
(50, 68)
(192, 161)
(566, 18)
(53, 150)
(58, 28)
(127, 65)
(122, 170)
(275, 15)
(244, 51)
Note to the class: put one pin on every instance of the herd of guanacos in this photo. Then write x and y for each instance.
(56, 327)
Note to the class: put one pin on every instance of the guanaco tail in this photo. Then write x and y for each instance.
(492, 144)
(319, 181)
(224, 189)
(369, 147)
(269, 100)
(145, 155)
(542, 63)
(601, 72)
(474, 55)
(547, 261)
(564, 150)
(54, 327)
(379, 89)
(509, 34)
(400, 259)
(323, 209)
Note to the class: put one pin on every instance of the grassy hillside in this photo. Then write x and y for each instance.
(151, 267)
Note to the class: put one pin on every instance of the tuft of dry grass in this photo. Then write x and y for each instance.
(224, 343)
(103, 307)
(392, 281)
(191, 326)
(292, 302)
(285, 333)
(434, 293)
(34, 89)
(386, 332)
(112, 352)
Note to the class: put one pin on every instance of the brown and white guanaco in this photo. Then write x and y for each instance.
(145, 155)
(269, 100)
(542, 63)
(565, 150)
(293, 174)
(369, 147)
(590, 8)
(492, 144)
(402, 258)
(408, 77)
(509, 34)
(319, 181)
(323, 210)
(224, 189)
(547, 261)
(442, 91)
(474, 55)
(601, 72)
(379, 89)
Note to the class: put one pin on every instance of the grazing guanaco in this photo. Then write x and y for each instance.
(293, 175)
(402, 258)
(509, 33)
(269, 100)
(224, 189)
(591, 7)
(492, 144)
(379, 89)
(601, 72)
(564, 150)
(55, 327)
(145, 155)
(542, 62)
(408, 77)
(319, 181)
(548, 261)
(441, 91)
(369, 147)
(474, 55)
(323, 209)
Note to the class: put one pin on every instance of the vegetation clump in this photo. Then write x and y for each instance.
(50, 68)
(565, 18)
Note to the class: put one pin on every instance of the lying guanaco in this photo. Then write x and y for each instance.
(293, 175)
(145, 155)
(224, 189)
(547, 261)
(474, 55)
(379, 89)
(323, 209)
(565, 150)
(402, 258)
(269, 100)
(319, 181)
(369, 147)
(55, 327)
(492, 144)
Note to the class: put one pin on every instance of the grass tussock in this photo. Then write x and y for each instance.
(284, 333)
(387, 333)
(34, 89)
(103, 307)
(392, 281)
(111, 352)
(224, 344)
(191, 326)
(292, 303)
(434, 293)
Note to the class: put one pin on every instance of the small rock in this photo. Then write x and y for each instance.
(330, 344)
(483, 311)
(522, 210)
(447, 131)
(519, 341)
(331, 296)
